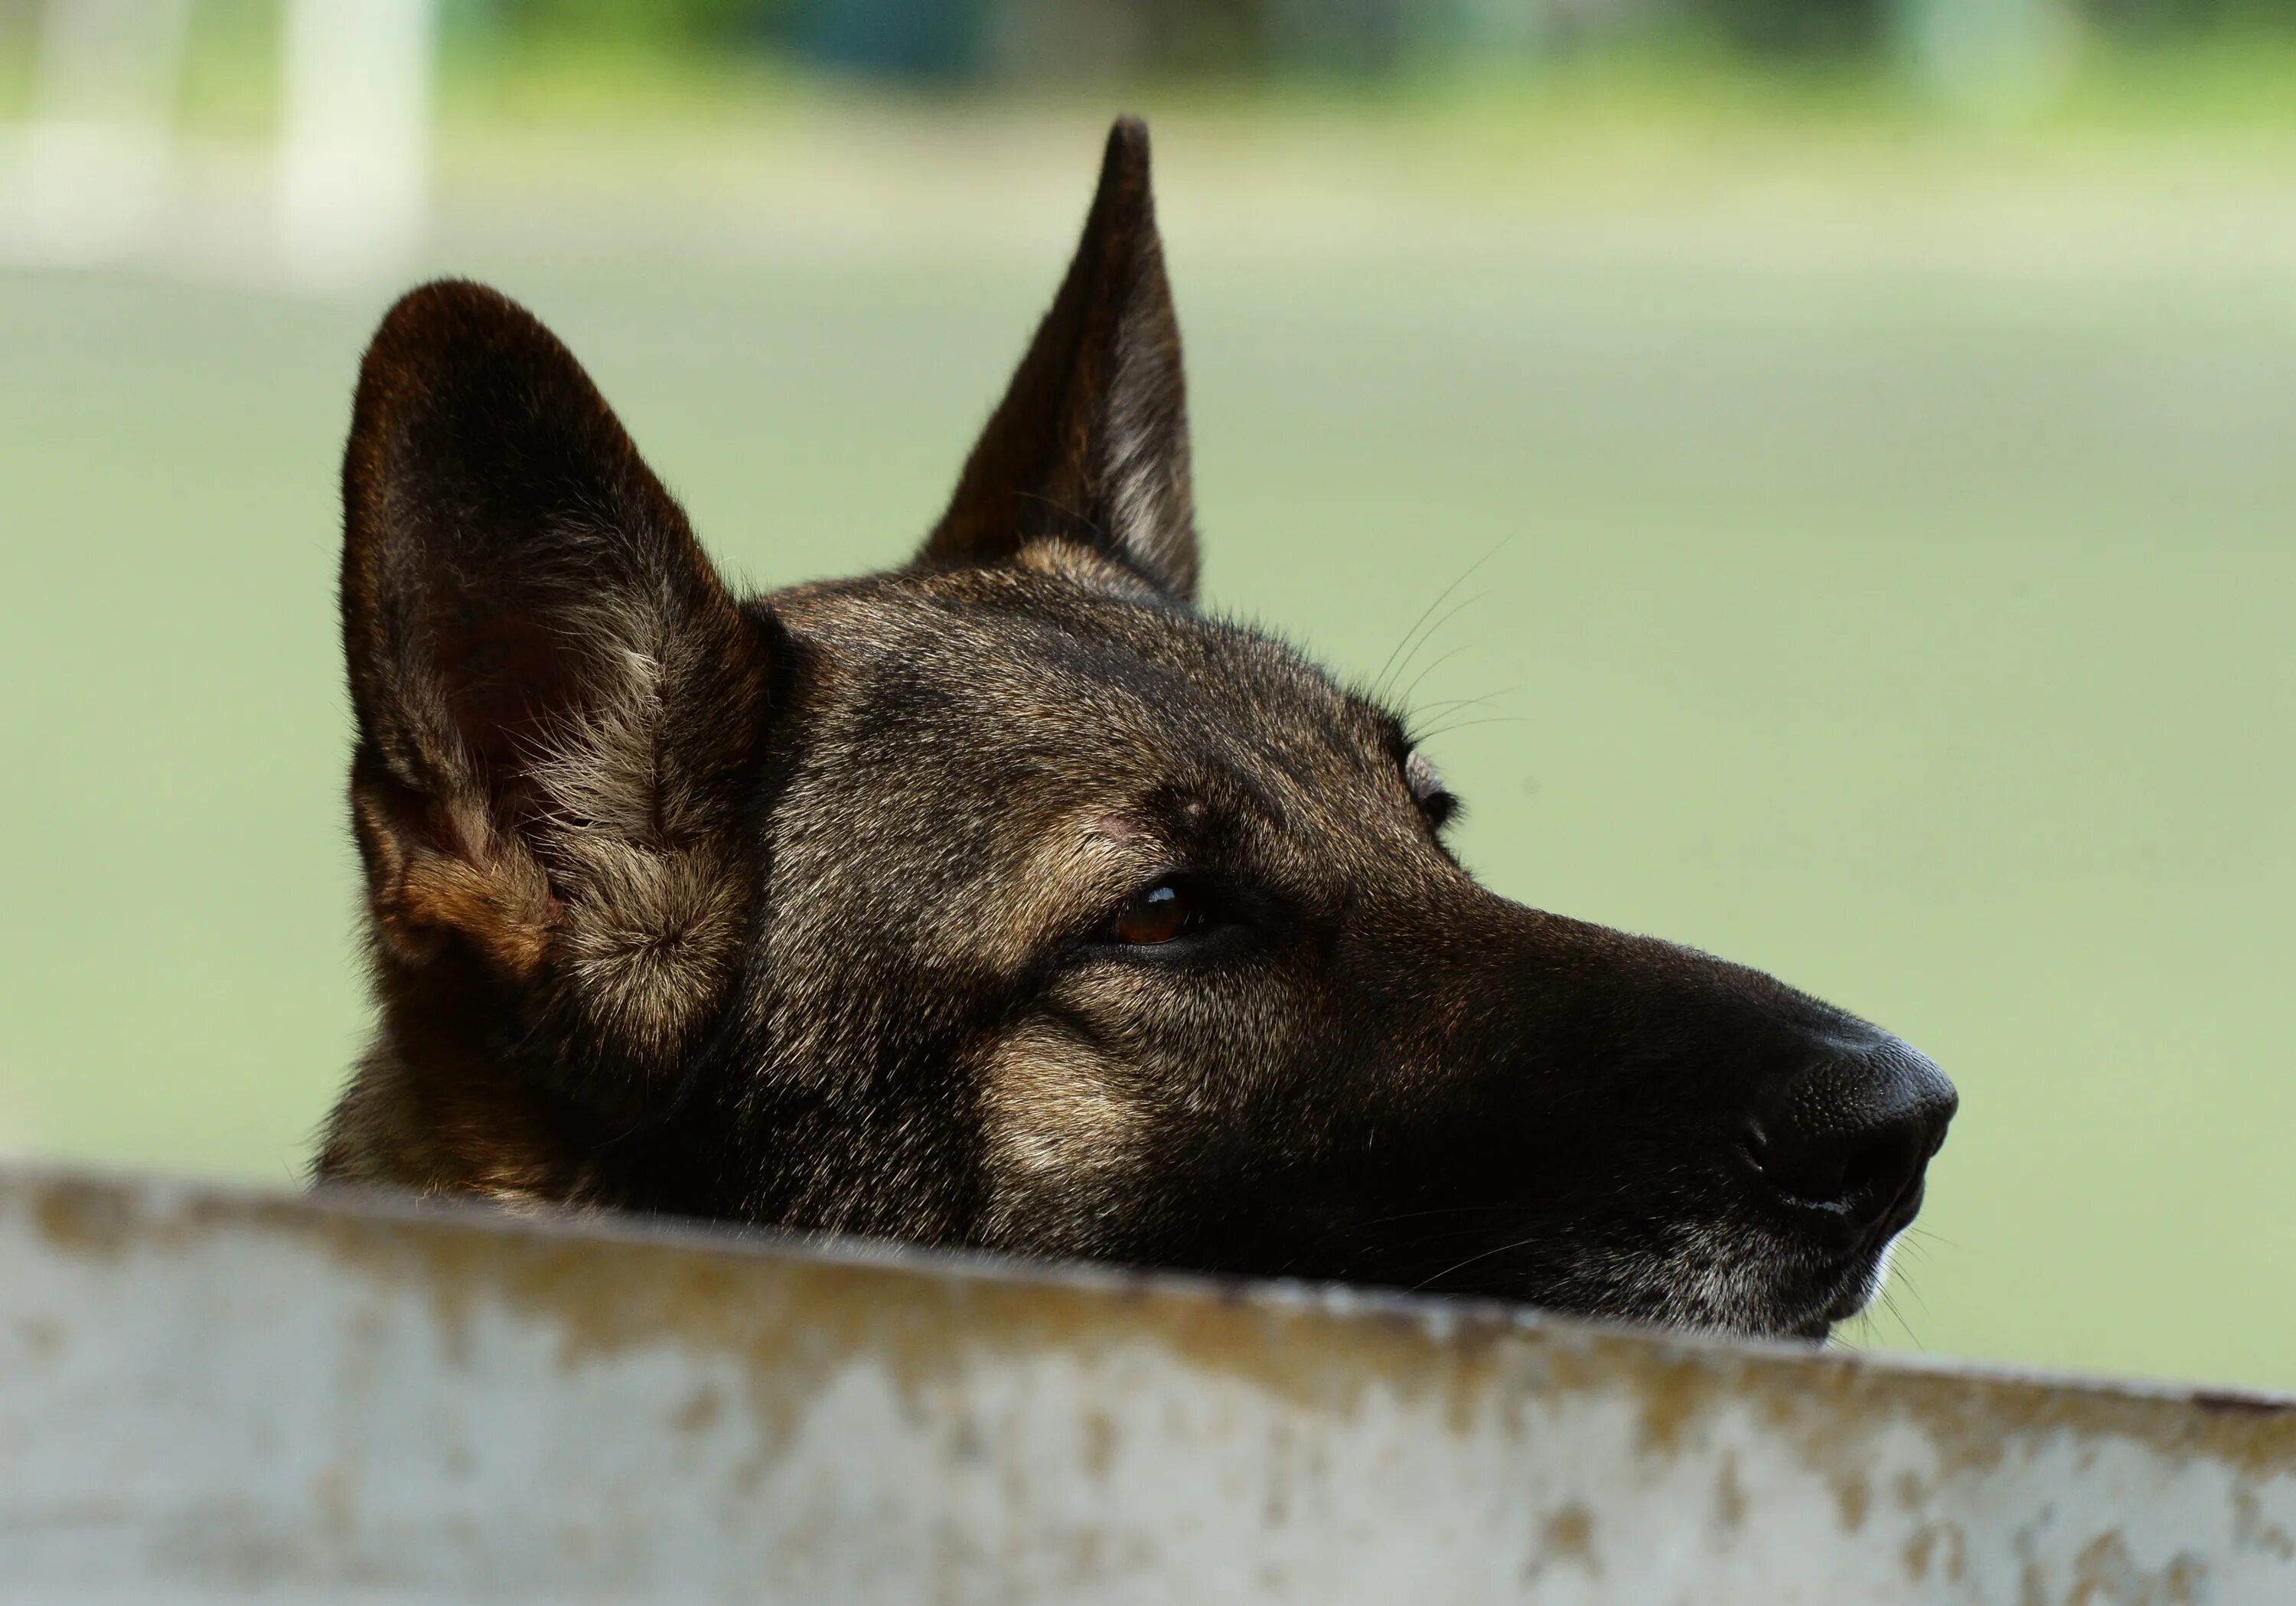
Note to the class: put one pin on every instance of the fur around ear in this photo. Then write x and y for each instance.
(1089, 447)
(556, 697)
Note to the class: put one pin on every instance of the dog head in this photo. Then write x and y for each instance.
(1008, 899)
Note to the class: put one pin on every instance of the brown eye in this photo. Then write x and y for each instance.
(1164, 912)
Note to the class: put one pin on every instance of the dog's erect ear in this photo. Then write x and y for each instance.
(557, 699)
(1090, 445)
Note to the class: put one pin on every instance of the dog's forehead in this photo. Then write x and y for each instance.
(1028, 663)
(1053, 744)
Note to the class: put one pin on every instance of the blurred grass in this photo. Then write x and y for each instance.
(1896, 590)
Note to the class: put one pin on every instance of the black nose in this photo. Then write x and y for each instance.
(1852, 1135)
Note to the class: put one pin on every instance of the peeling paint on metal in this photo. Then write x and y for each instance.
(208, 1395)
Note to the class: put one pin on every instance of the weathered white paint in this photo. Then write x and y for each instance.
(207, 1396)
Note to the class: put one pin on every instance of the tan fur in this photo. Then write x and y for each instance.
(1059, 1124)
(653, 907)
(446, 1130)
(488, 887)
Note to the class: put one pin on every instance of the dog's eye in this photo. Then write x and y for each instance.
(1164, 913)
(1435, 800)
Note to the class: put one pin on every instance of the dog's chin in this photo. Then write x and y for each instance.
(1772, 1293)
(1860, 1285)
(1798, 1323)
(1725, 1281)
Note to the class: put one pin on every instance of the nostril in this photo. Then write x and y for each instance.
(1852, 1136)
(1754, 1142)
(1879, 1171)
(1825, 1173)
(1811, 1175)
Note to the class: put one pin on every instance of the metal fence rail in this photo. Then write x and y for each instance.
(208, 1396)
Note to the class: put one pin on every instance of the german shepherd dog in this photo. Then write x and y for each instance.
(1006, 900)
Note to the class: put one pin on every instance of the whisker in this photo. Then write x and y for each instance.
(1914, 1289)
(1067, 512)
(1456, 704)
(1433, 630)
(1520, 1243)
(1342, 1228)
(1889, 1303)
(1429, 670)
(1380, 681)
(1457, 725)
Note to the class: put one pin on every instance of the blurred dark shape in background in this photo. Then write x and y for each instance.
(957, 41)
(961, 41)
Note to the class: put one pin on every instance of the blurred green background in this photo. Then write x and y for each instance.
(1881, 413)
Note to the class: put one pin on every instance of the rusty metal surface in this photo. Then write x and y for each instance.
(208, 1395)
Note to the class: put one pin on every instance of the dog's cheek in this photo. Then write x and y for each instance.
(1066, 1143)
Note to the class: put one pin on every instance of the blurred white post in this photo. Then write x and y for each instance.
(354, 161)
(98, 153)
